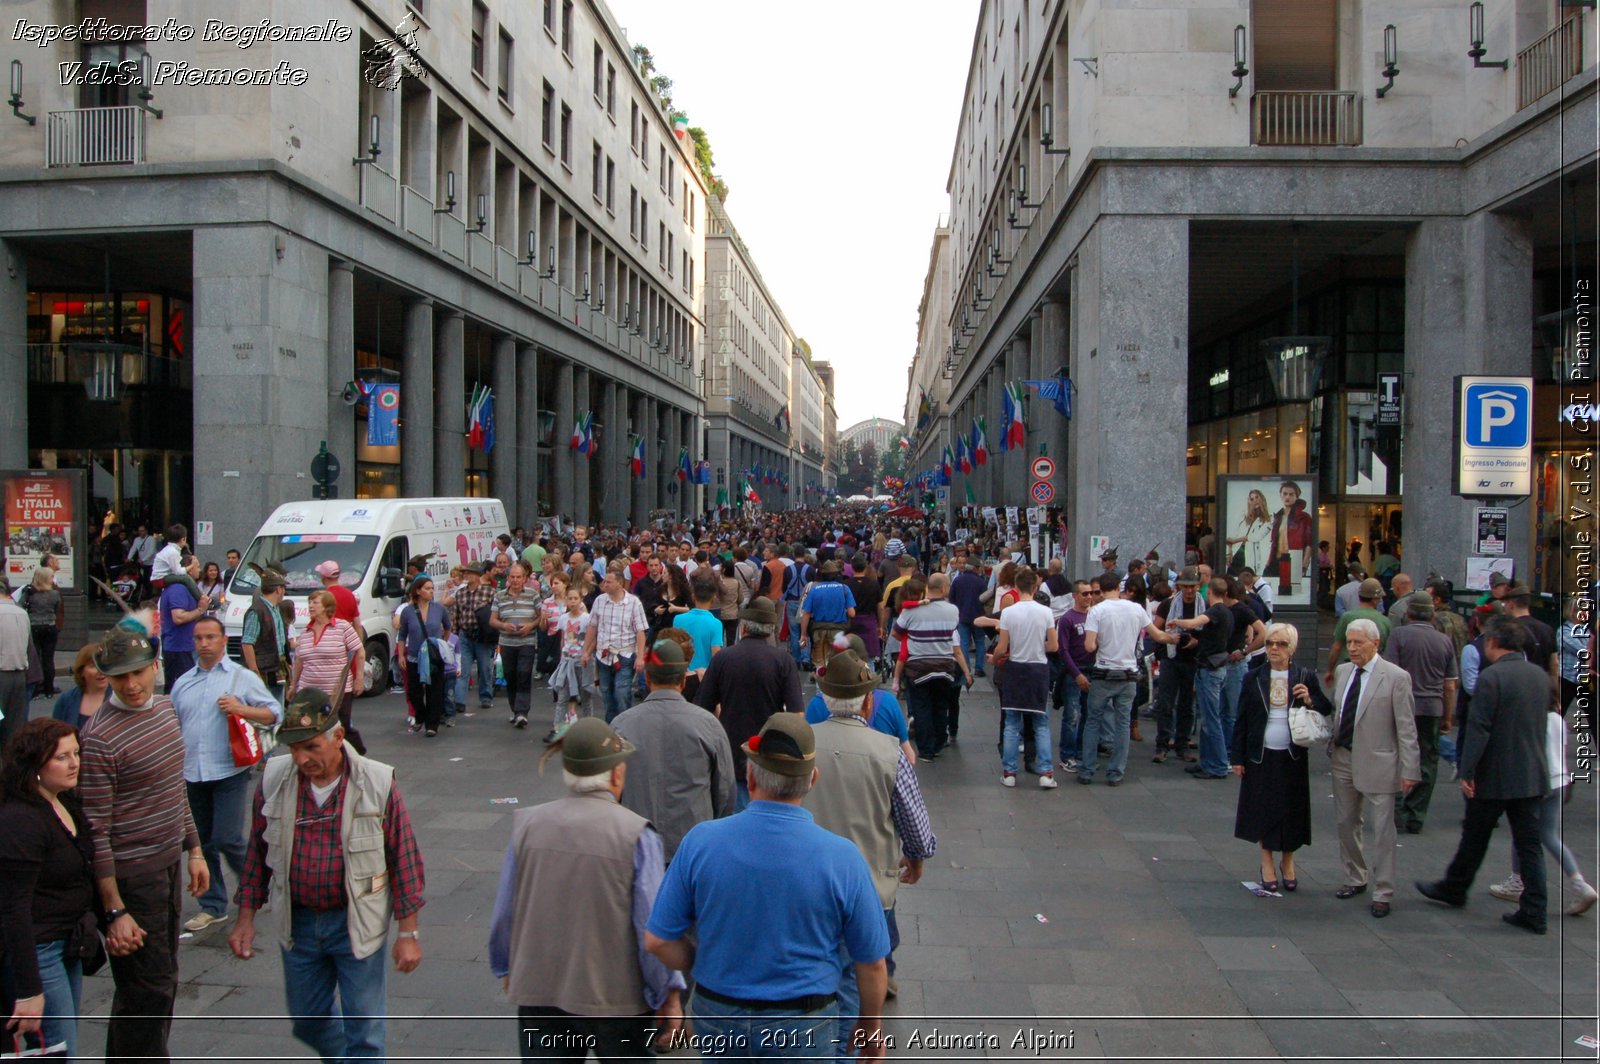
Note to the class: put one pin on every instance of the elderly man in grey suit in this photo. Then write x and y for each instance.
(1374, 756)
(1503, 771)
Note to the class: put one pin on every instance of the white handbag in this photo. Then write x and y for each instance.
(1307, 727)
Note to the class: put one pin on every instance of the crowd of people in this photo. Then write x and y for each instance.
(711, 805)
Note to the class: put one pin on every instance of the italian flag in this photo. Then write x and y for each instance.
(980, 443)
(1017, 430)
(749, 494)
(637, 461)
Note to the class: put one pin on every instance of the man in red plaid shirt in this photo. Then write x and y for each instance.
(319, 817)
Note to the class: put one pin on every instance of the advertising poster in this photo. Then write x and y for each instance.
(40, 521)
(1268, 525)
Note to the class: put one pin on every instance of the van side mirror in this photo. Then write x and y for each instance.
(390, 585)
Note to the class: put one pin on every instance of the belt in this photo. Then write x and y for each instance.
(798, 1006)
(1116, 675)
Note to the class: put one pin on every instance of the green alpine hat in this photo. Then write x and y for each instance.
(308, 714)
(786, 745)
(123, 651)
(590, 746)
(846, 676)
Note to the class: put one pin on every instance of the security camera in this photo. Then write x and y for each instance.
(351, 394)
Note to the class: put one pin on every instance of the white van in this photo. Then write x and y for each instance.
(371, 539)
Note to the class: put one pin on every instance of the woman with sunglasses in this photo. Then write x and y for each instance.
(1275, 788)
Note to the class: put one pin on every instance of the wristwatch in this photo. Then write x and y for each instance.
(113, 914)
(415, 936)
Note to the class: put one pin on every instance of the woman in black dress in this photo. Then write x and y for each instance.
(1275, 789)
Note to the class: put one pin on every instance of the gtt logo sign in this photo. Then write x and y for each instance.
(1498, 415)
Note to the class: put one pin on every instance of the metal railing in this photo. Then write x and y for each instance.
(1547, 63)
(1305, 119)
(105, 371)
(94, 136)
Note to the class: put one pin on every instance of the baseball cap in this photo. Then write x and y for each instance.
(1370, 589)
(327, 570)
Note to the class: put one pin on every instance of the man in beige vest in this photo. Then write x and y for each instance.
(869, 794)
(579, 880)
(331, 848)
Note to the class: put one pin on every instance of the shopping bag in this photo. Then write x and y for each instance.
(244, 741)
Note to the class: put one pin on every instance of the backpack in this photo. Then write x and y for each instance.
(796, 578)
(1259, 606)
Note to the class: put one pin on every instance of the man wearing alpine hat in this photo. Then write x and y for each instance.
(331, 848)
(773, 895)
(579, 879)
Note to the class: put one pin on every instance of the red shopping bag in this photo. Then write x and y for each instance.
(243, 742)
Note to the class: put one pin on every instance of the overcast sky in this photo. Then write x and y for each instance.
(832, 123)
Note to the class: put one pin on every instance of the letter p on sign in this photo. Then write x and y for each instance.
(1498, 415)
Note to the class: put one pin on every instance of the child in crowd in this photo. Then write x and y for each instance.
(555, 604)
(572, 678)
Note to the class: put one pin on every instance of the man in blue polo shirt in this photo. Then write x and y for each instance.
(825, 612)
(703, 626)
(773, 896)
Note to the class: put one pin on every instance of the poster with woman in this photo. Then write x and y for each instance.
(1268, 525)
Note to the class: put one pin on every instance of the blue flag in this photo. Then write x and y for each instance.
(383, 415)
(487, 417)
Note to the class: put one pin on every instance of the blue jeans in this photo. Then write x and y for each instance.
(740, 1033)
(220, 808)
(797, 651)
(1011, 742)
(1074, 710)
(616, 686)
(973, 644)
(1232, 687)
(483, 653)
(741, 795)
(1107, 720)
(62, 980)
(321, 964)
(1208, 707)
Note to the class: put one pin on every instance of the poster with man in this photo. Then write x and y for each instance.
(1268, 525)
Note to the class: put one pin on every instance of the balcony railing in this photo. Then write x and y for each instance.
(1305, 119)
(94, 136)
(106, 371)
(1547, 63)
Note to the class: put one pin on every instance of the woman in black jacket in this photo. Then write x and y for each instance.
(1275, 789)
(47, 886)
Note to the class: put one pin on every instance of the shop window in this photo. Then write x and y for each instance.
(1370, 458)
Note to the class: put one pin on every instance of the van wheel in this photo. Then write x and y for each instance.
(376, 668)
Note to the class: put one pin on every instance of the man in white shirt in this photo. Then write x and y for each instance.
(1111, 633)
(1027, 635)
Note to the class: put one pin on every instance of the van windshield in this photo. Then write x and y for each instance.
(299, 555)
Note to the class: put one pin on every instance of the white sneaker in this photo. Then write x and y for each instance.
(1584, 897)
(203, 921)
(1047, 783)
(1508, 889)
(1008, 780)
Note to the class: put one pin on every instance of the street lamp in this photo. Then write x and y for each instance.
(1475, 36)
(1239, 69)
(1391, 55)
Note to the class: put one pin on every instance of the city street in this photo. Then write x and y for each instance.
(1084, 923)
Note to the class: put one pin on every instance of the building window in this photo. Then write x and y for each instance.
(507, 68)
(633, 213)
(611, 185)
(566, 136)
(661, 243)
(663, 152)
(672, 258)
(566, 28)
(550, 18)
(633, 128)
(691, 212)
(672, 180)
(547, 116)
(644, 140)
(611, 90)
(480, 29)
(599, 72)
(644, 224)
(599, 175)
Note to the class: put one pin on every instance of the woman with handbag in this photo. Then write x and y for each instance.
(329, 657)
(1282, 710)
(424, 624)
(48, 912)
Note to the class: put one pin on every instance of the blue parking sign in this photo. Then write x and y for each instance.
(1495, 447)
(1499, 414)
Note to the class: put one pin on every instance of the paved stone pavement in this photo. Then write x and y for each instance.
(1115, 915)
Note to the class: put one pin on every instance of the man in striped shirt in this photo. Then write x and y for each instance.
(931, 664)
(132, 790)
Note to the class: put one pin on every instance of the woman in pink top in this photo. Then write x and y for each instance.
(328, 657)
